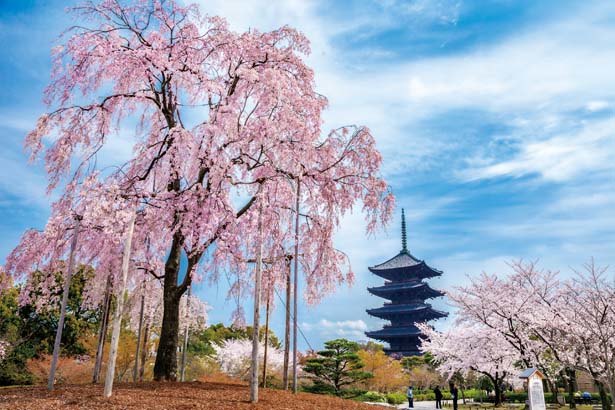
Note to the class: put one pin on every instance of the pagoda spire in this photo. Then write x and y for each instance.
(404, 246)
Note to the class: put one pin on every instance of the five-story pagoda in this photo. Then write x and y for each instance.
(407, 292)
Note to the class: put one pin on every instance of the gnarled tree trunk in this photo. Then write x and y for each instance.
(165, 368)
(571, 382)
(604, 398)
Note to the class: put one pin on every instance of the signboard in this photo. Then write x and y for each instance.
(536, 394)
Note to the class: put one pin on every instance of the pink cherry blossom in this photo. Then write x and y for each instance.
(224, 121)
(234, 357)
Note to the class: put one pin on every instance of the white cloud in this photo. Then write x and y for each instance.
(597, 105)
(342, 328)
(559, 158)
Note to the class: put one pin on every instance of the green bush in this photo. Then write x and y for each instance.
(396, 398)
(318, 388)
(424, 397)
(373, 396)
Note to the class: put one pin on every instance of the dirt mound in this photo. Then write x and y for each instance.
(158, 396)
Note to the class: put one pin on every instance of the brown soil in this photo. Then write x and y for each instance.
(158, 396)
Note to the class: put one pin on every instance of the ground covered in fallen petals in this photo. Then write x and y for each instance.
(154, 396)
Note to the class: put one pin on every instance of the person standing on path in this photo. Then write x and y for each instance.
(455, 395)
(410, 396)
(438, 394)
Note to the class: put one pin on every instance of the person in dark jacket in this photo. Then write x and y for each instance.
(438, 394)
(454, 395)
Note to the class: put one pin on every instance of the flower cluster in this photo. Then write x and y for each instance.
(234, 357)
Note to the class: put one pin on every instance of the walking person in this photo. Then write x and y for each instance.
(410, 396)
(438, 394)
(454, 395)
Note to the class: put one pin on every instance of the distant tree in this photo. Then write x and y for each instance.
(411, 362)
(387, 373)
(234, 357)
(474, 348)
(29, 329)
(202, 342)
(336, 367)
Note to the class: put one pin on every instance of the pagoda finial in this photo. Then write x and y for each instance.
(404, 247)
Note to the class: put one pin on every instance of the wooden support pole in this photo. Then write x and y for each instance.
(144, 352)
(256, 322)
(117, 316)
(102, 334)
(136, 368)
(295, 286)
(69, 277)
(266, 338)
(287, 326)
(186, 333)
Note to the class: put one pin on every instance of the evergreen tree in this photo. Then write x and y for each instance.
(336, 367)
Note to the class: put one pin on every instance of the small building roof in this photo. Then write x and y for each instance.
(527, 373)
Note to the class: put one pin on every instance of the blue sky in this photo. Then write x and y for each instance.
(495, 119)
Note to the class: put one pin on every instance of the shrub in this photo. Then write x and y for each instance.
(319, 388)
(396, 398)
(373, 396)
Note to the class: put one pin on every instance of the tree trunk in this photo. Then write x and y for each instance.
(102, 336)
(604, 399)
(144, 352)
(117, 316)
(69, 277)
(611, 391)
(287, 329)
(256, 322)
(497, 386)
(571, 381)
(553, 390)
(165, 368)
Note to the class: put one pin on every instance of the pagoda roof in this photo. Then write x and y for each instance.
(394, 332)
(390, 289)
(404, 266)
(403, 259)
(405, 308)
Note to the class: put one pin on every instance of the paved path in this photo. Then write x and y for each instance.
(418, 405)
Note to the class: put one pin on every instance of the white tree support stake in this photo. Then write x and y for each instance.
(257, 301)
(69, 277)
(186, 335)
(135, 370)
(117, 315)
(296, 262)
